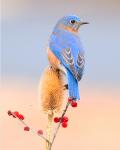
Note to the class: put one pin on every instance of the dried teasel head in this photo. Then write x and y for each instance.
(51, 90)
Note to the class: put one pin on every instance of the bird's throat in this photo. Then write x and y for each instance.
(68, 29)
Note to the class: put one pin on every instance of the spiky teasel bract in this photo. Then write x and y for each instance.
(51, 90)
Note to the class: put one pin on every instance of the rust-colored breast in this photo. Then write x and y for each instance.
(53, 59)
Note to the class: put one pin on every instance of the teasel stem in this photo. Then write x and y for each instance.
(49, 129)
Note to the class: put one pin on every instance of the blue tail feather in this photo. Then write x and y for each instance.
(73, 86)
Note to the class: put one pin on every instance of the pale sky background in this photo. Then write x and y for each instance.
(27, 25)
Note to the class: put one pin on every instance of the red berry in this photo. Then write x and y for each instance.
(74, 104)
(21, 117)
(65, 119)
(16, 113)
(56, 119)
(64, 124)
(40, 131)
(9, 113)
(70, 100)
(26, 128)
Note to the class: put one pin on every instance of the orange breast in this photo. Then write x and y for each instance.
(53, 59)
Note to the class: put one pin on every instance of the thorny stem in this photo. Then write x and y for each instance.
(32, 129)
(56, 131)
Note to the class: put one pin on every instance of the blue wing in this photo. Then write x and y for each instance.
(68, 49)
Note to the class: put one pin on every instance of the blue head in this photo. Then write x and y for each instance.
(71, 23)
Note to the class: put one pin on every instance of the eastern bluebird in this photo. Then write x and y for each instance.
(65, 49)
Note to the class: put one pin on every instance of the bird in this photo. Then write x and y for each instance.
(65, 52)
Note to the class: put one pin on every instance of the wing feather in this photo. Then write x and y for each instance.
(80, 63)
(68, 58)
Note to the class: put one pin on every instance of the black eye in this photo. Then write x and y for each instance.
(72, 21)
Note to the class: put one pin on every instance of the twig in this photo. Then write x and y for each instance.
(56, 131)
(31, 129)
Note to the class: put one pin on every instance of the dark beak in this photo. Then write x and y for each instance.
(82, 23)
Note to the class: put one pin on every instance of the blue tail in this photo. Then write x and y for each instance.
(73, 86)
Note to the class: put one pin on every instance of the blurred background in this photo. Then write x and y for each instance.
(25, 29)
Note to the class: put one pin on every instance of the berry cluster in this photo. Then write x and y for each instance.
(63, 120)
(72, 102)
(16, 114)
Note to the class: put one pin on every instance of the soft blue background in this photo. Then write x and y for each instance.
(27, 25)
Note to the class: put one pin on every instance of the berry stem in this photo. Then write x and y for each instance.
(56, 131)
(31, 128)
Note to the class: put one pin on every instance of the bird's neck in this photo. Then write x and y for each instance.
(68, 29)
